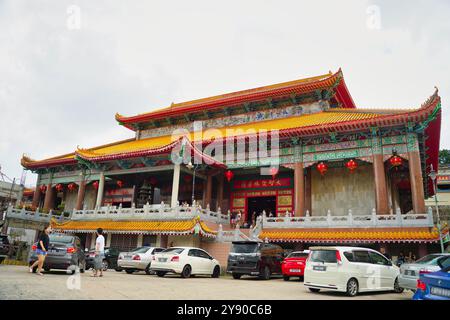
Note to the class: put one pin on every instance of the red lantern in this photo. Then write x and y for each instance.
(120, 183)
(273, 172)
(322, 168)
(351, 165)
(71, 186)
(59, 187)
(153, 181)
(396, 161)
(95, 184)
(43, 188)
(229, 175)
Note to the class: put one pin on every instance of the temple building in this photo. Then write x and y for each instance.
(317, 168)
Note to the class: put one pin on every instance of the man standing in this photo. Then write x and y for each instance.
(99, 253)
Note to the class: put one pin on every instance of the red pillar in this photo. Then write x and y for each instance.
(308, 191)
(299, 181)
(49, 198)
(80, 196)
(381, 194)
(415, 174)
(36, 197)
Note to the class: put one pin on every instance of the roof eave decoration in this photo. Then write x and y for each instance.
(257, 94)
(31, 164)
(164, 227)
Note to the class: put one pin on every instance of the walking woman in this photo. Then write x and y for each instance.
(41, 250)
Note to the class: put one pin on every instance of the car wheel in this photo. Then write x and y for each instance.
(129, 271)
(161, 273)
(286, 278)
(1, 260)
(237, 276)
(397, 288)
(216, 272)
(118, 269)
(266, 273)
(314, 290)
(187, 270)
(352, 287)
(148, 271)
(105, 265)
(47, 269)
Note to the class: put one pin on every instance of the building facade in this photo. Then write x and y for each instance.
(300, 153)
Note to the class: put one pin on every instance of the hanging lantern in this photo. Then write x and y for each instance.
(153, 181)
(351, 165)
(59, 187)
(273, 172)
(43, 188)
(229, 175)
(322, 168)
(95, 184)
(396, 161)
(120, 183)
(71, 186)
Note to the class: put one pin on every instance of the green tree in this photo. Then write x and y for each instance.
(444, 157)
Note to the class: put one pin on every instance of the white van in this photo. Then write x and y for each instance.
(350, 270)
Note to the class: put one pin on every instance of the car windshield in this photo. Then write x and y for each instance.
(60, 238)
(244, 248)
(429, 259)
(328, 256)
(173, 250)
(444, 264)
(298, 255)
(141, 250)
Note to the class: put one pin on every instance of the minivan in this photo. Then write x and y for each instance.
(254, 259)
(350, 270)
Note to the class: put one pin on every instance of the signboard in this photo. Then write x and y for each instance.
(262, 183)
(118, 195)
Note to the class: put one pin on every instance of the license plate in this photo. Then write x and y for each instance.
(295, 270)
(162, 259)
(127, 257)
(319, 268)
(440, 292)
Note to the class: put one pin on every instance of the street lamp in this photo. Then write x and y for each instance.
(433, 177)
(194, 168)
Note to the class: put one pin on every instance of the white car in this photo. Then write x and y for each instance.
(137, 259)
(185, 261)
(350, 270)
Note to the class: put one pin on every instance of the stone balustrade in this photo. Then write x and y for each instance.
(352, 220)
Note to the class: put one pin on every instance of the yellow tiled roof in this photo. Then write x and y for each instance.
(338, 236)
(171, 226)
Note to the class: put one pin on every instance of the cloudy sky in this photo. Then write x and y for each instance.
(66, 67)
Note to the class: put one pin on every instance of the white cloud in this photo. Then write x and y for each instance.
(61, 88)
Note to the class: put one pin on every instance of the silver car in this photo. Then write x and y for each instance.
(138, 259)
(409, 272)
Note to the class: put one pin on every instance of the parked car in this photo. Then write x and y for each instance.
(409, 272)
(64, 251)
(185, 261)
(4, 247)
(351, 270)
(109, 262)
(254, 259)
(435, 285)
(294, 264)
(137, 259)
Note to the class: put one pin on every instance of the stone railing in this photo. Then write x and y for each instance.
(150, 212)
(34, 216)
(352, 221)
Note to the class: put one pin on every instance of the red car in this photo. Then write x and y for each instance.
(294, 265)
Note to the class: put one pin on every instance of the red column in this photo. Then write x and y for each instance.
(415, 175)
(208, 191)
(220, 192)
(36, 197)
(308, 191)
(80, 196)
(381, 194)
(299, 181)
(49, 198)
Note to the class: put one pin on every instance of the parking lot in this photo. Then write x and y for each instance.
(17, 283)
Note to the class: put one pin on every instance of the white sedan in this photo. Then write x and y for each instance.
(137, 259)
(185, 261)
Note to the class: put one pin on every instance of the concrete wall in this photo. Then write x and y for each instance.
(218, 250)
(70, 200)
(183, 241)
(340, 190)
(90, 197)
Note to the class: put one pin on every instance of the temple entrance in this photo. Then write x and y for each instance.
(258, 204)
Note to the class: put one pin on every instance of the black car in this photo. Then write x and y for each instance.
(4, 247)
(109, 262)
(255, 259)
(64, 252)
